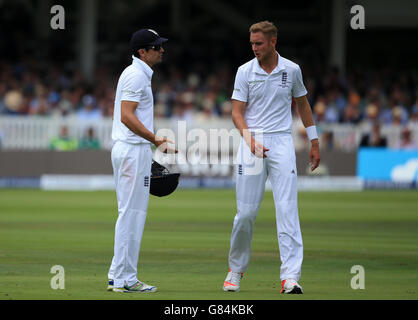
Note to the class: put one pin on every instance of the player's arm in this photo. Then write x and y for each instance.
(129, 119)
(306, 116)
(238, 111)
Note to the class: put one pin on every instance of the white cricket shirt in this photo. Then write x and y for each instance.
(268, 96)
(134, 85)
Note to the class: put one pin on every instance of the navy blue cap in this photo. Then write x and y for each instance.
(146, 37)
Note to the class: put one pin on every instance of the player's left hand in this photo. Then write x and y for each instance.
(314, 155)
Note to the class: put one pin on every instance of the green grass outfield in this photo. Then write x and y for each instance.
(186, 242)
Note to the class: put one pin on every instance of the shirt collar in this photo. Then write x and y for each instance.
(142, 66)
(280, 66)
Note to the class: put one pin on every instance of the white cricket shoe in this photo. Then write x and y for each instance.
(136, 287)
(291, 286)
(232, 281)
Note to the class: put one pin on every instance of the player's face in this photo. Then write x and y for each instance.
(153, 56)
(261, 45)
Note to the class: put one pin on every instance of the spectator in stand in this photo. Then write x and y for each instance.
(398, 116)
(106, 103)
(39, 105)
(165, 96)
(331, 113)
(89, 111)
(340, 100)
(189, 100)
(183, 107)
(208, 109)
(63, 142)
(371, 114)
(407, 140)
(394, 111)
(374, 138)
(352, 112)
(319, 111)
(89, 140)
(159, 111)
(375, 95)
(14, 102)
(64, 106)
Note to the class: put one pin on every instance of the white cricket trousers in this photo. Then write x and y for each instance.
(251, 175)
(132, 170)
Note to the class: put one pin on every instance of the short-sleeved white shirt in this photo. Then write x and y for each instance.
(268, 96)
(134, 85)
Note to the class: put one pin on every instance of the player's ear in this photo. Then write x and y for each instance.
(273, 41)
(141, 52)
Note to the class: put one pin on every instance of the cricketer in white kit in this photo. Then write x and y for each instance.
(262, 100)
(132, 134)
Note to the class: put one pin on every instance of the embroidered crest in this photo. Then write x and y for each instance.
(284, 79)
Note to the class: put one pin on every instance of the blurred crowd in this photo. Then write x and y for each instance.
(385, 96)
(52, 91)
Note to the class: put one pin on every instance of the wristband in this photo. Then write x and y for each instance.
(311, 131)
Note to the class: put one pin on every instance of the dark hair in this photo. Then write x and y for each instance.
(135, 53)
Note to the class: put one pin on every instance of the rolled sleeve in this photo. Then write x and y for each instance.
(298, 89)
(240, 87)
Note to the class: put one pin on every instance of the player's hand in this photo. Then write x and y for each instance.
(314, 155)
(162, 144)
(258, 149)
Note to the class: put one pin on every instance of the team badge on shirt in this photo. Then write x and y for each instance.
(285, 83)
(284, 79)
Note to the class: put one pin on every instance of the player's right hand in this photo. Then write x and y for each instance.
(162, 144)
(258, 149)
